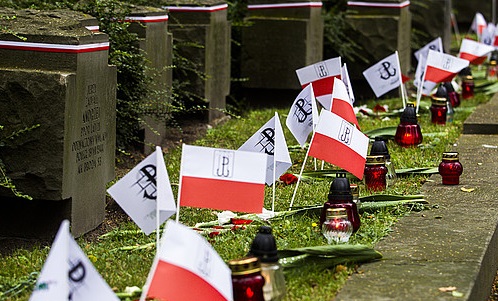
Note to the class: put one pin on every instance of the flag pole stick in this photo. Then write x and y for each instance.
(420, 84)
(301, 173)
(401, 81)
(274, 166)
(159, 156)
(179, 190)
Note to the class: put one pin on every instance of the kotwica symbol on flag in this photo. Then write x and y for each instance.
(68, 274)
(442, 67)
(303, 115)
(222, 179)
(187, 268)
(435, 45)
(144, 191)
(322, 75)
(385, 75)
(270, 139)
(338, 142)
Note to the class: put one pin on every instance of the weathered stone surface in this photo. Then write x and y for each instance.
(452, 244)
(484, 120)
(156, 42)
(279, 41)
(69, 158)
(380, 32)
(211, 31)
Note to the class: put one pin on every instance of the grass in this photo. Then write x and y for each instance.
(122, 268)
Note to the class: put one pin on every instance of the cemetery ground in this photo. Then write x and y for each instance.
(123, 254)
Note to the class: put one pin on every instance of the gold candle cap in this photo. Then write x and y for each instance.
(451, 156)
(439, 101)
(376, 160)
(244, 266)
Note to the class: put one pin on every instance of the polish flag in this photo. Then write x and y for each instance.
(187, 268)
(347, 81)
(474, 52)
(322, 76)
(338, 142)
(442, 67)
(222, 179)
(341, 104)
(478, 24)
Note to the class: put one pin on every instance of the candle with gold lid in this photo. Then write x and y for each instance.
(247, 281)
(450, 168)
(337, 227)
(375, 173)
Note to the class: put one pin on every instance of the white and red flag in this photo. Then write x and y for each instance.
(442, 67)
(478, 25)
(303, 115)
(436, 45)
(474, 52)
(145, 192)
(322, 75)
(488, 35)
(68, 274)
(270, 140)
(187, 268)
(385, 75)
(338, 142)
(341, 104)
(347, 82)
(421, 55)
(222, 179)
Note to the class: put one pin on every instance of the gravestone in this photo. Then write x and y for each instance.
(431, 20)
(205, 27)
(282, 36)
(380, 28)
(151, 26)
(54, 72)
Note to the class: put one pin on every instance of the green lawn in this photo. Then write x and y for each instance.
(122, 262)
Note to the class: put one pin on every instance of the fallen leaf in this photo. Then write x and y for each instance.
(456, 294)
(447, 289)
(467, 189)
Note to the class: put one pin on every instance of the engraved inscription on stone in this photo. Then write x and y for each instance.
(90, 145)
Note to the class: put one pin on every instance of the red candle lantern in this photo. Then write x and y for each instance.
(408, 132)
(450, 168)
(467, 83)
(375, 173)
(247, 282)
(492, 70)
(439, 107)
(337, 227)
(453, 96)
(340, 196)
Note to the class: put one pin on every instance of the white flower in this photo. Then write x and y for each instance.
(225, 216)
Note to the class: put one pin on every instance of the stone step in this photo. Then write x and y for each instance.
(455, 243)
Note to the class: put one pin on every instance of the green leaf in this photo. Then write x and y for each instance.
(387, 132)
(384, 204)
(417, 171)
(389, 197)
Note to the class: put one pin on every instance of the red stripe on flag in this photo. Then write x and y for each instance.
(171, 282)
(222, 195)
(328, 149)
(323, 86)
(437, 75)
(473, 59)
(345, 110)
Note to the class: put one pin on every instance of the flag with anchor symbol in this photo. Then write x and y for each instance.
(145, 191)
(270, 140)
(68, 274)
(222, 179)
(303, 115)
(385, 75)
(474, 52)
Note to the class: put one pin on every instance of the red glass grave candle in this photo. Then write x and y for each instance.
(453, 96)
(375, 173)
(247, 282)
(467, 83)
(340, 196)
(438, 110)
(450, 168)
(408, 132)
(492, 70)
(336, 227)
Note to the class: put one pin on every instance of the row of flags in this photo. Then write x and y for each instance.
(226, 179)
